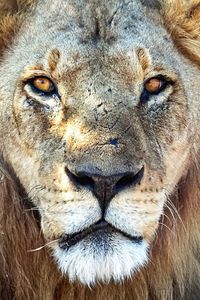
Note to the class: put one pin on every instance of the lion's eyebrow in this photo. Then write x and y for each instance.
(143, 58)
(53, 59)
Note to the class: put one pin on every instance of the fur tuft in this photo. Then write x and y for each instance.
(78, 264)
(12, 14)
(182, 19)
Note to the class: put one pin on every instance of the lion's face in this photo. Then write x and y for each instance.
(96, 122)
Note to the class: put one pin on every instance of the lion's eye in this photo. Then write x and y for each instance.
(153, 86)
(43, 84)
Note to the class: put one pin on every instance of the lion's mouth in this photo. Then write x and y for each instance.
(101, 228)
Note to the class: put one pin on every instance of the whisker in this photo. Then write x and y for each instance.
(162, 224)
(32, 209)
(171, 212)
(35, 187)
(167, 217)
(177, 213)
(41, 247)
(174, 209)
(33, 196)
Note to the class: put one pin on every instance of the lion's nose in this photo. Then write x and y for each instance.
(105, 187)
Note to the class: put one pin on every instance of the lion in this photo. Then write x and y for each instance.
(99, 151)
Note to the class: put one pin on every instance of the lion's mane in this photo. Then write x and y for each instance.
(174, 269)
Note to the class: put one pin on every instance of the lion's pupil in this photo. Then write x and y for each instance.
(43, 84)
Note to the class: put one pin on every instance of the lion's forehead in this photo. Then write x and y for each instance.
(91, 30)
(95, 19)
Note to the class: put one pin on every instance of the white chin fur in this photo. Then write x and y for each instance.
(90, 261)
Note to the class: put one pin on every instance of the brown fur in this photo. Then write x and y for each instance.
(170, 274)
(12, 14)
(182, 19)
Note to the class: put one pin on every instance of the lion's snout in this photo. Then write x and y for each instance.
(104, 187)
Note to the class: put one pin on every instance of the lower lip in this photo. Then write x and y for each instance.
(68, 241)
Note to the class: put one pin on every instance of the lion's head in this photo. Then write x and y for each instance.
(99, 121)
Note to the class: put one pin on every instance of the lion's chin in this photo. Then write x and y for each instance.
(101, 259)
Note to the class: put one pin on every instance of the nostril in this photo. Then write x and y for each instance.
(85, 181)
(81, 180)
(124, 182)
(129, 179)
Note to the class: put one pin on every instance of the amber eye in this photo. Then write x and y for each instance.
(154, 85)
(43, 84)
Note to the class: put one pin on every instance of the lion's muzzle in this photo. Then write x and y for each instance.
(103, 187)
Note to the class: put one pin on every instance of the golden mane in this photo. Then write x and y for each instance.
(12, 14)
(173, 271)
(182, 18)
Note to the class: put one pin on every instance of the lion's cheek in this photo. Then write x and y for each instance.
(176, 164)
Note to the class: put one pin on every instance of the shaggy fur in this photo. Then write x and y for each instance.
(182, 20)
(170, 274)
(12, 14)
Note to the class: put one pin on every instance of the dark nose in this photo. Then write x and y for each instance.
(105, 187)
